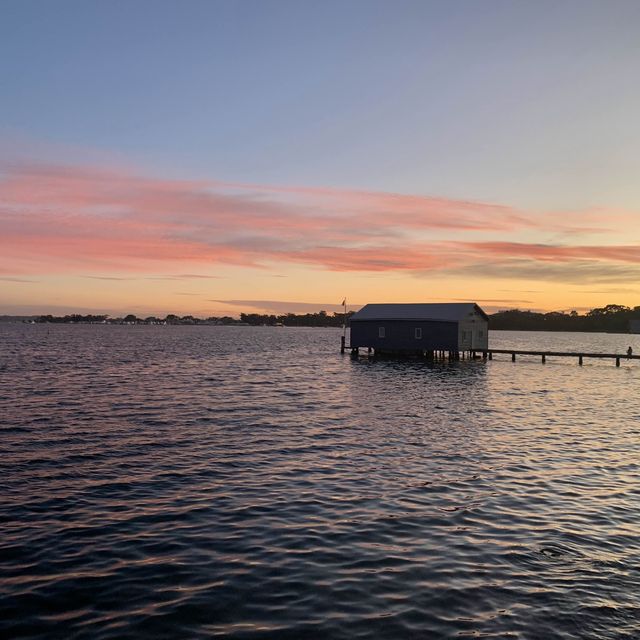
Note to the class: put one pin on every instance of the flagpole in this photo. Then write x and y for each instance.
(344, 319)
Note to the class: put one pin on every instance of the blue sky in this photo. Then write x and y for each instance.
(528, 102)
(527, 105)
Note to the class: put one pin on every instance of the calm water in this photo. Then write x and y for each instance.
(187, 482)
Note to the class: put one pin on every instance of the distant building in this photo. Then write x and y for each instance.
(419, 328)
(634, 326)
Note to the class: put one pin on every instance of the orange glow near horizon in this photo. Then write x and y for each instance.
(113, 241)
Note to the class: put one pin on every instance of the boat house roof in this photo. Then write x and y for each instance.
(443, 312)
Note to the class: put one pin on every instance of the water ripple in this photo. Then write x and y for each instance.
(234, 482)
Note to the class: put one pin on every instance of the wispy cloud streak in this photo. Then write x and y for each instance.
(82, 220)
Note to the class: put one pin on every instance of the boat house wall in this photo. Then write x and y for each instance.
(473, 333)
(402, 335)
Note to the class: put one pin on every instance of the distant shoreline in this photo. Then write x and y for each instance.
(612, 318)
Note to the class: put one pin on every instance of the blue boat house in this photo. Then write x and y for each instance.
(424, 329)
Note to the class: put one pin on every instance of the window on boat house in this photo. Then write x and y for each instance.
(381, 332)
(418, 333)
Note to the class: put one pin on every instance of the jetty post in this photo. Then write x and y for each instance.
(344, 324)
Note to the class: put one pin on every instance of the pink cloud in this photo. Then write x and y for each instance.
(557, 253)
(377, 258)
(87, 220)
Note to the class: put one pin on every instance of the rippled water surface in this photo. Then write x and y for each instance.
(186, 482)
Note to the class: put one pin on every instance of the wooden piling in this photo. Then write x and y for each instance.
(580, 360)
(544, 358)
(513, 356)
(342, 341)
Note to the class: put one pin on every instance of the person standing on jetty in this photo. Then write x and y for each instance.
(629, 352)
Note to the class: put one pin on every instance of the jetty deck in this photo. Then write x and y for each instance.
(488, 354)
(543, 355)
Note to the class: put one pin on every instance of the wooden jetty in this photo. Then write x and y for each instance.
(543, 355)
(487, 354)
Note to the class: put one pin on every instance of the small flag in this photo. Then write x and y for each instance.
(344, 303)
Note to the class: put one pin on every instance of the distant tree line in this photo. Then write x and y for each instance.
(320, 319)
(73, 318)
(613, 318)
(132, 319)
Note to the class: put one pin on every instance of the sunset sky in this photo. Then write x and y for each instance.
(212, 157)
